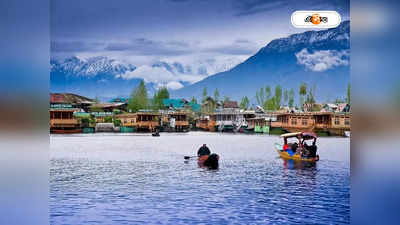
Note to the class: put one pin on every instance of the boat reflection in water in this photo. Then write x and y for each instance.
(295, 164)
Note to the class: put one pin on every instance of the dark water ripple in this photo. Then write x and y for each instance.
(142, 180)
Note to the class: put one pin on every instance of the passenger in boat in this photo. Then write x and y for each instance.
(203, 150)
(311, 150)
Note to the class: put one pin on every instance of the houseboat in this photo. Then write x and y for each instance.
(176, 121)
(261, 123)
(128, 121)
(63, 121)
(228, 119)
(321, 122)
(147, 121)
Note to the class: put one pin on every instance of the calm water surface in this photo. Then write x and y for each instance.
(136, 178)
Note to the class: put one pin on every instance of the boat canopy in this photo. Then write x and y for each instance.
(309, 135)
(295, 134)
(304, 135)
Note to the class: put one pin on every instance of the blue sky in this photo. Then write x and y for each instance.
(217, 34)
(140, 31)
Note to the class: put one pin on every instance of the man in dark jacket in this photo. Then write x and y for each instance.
(204, 150)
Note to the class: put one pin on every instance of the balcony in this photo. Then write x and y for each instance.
(63, 122)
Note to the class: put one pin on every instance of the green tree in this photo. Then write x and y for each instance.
(260, 97)
(291, 98)
(244, 104)
(138, 98)
(117, 122)
(278, 97)
(216, 95)
(267, 92)
(310, 96)
(270, 104)
(286, 96)
(348, 99)
(108, 119)
(302, 93)
(226, 98)
(194, 100)
(161, 94)
(204, 95)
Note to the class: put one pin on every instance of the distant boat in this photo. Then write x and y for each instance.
(347, 133)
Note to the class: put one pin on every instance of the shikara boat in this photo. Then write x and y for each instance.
(285, 151)
(209, 161)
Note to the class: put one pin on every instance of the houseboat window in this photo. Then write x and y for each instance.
(304, 122)
(294, 121)
(337, 121)
(347, 121)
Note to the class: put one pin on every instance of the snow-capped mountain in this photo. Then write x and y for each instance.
(104, 77)
(319, 58)
(75, 66)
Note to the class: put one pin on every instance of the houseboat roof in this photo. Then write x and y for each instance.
(295, 134)
(64, 110)
(69, 98)
(304, 135)
(125, 115)
(148, 113)
(230, 104)
(303, 113)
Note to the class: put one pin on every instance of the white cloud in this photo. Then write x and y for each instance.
(161, 76)
(322, 60)
(174, 85)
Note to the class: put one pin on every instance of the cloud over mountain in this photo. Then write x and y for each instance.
(322, 60)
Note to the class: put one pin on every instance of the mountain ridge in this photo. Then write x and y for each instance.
(287, 61)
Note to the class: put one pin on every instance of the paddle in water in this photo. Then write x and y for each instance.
(188, 157)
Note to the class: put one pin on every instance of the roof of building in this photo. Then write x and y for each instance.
(230, 104)
(174, 103)
(118, 100)
(69, 98)
(107, 105)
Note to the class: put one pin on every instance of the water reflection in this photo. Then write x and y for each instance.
(295, 164)
(139, 179)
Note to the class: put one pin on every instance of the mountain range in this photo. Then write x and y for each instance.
(106, 78)
(319, 58)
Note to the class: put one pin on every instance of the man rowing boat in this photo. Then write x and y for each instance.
(203, 150)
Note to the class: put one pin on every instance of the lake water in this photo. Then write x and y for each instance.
(137, 178)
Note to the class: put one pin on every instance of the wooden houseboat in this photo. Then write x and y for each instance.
(202, 123)
(229, 120)
(128, 121)
(179, 121)
(147, 121)
(321, 122)
(63, 121)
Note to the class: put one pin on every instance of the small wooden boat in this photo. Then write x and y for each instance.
(155, 134)
(209, 161)
(290, 155)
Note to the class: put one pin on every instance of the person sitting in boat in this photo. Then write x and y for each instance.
(203, 150)
(312, 149)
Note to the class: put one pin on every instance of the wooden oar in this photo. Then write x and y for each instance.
(189, 157)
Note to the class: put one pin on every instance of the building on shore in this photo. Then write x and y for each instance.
(69, 100)
(261, 122)
(62, 120)
(175, 121)
(139, 121)
(147, 121)
(320, 122)
(110, 107)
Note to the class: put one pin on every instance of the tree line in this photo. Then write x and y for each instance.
(267, 98)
